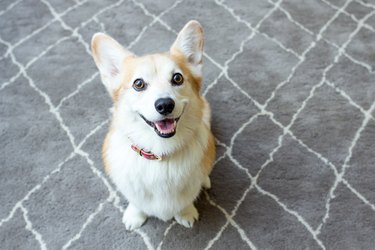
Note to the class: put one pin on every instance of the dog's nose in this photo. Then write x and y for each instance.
(164, 106)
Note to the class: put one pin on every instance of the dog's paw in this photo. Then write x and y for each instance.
(207, 182)
(133, 218)
(187, 216)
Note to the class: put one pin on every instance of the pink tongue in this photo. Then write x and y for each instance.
(166, 126)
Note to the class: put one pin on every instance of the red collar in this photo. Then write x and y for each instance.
(146, 154)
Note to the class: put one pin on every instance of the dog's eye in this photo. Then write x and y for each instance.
(177, 79)
(139, 84)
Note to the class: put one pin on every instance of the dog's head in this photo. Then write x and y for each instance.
(155, 96)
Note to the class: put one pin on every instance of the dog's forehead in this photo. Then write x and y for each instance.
(156, 65)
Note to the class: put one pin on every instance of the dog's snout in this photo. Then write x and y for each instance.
(164, 106)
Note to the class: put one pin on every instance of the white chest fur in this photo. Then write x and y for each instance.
(158, 188)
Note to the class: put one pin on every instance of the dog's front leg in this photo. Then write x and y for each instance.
(133, 217)
(187, 216)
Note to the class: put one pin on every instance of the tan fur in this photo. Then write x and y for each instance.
(128, 68)
(128, 64)
(178, 57)
(209, 155)
(107, 168)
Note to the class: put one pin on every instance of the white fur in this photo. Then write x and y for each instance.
(133, 217)
(167, 188)
(158, 188)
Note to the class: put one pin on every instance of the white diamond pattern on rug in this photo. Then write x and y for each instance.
(293, 177)
(291, 87)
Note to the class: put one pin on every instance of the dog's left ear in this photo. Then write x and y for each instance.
(189, 43)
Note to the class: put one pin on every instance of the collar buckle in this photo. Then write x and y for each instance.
(146, 154)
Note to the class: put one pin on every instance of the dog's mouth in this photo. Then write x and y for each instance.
(165, 128)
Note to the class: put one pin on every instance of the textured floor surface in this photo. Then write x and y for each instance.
(292, 88)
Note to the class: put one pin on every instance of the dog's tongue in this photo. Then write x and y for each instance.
(166, 126)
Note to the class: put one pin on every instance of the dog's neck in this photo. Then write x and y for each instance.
(146, 154)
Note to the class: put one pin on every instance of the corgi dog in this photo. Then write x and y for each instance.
(159, 150)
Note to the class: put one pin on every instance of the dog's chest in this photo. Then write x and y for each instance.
(170, 180)
(176, 179)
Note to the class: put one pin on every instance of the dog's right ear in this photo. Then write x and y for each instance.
(109, 57)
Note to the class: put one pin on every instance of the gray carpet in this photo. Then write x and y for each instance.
(292, 88)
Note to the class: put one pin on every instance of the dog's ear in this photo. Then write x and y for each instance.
(109, 57)
(190, 42)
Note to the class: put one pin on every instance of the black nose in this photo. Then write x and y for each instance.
(164, 106)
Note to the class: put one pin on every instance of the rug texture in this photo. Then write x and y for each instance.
(292, 88)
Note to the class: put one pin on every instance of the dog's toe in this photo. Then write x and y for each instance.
(187, 217)
(133, 218)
